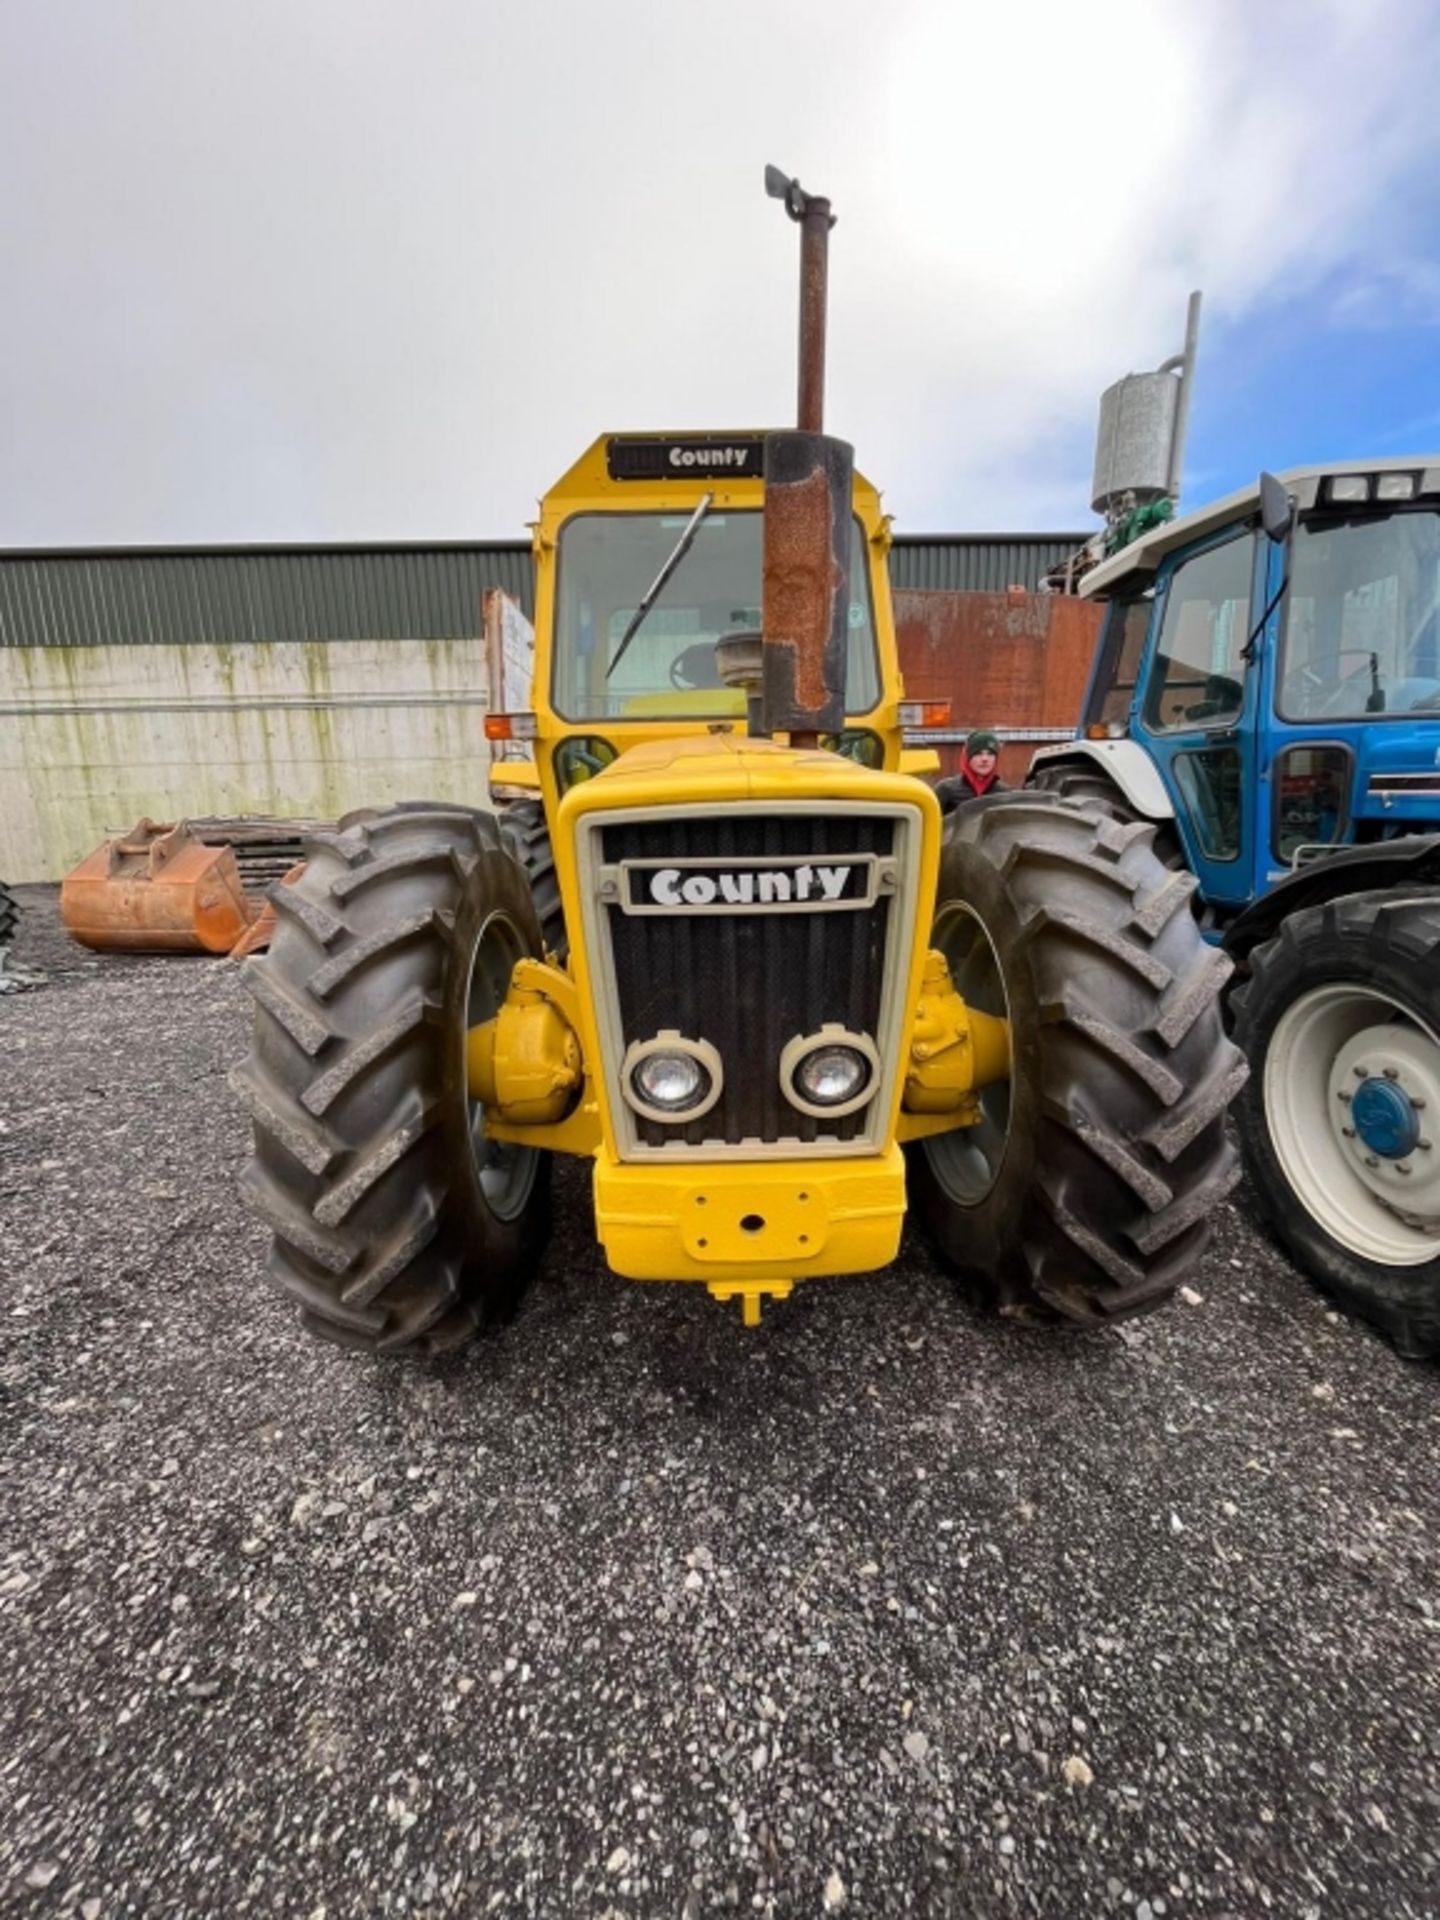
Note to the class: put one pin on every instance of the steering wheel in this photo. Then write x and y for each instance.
(694, 668)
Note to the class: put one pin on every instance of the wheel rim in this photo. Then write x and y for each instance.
(967, 1162)
(1352, 1092)
(506, 1172)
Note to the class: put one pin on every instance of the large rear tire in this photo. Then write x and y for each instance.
(1087, 1189)
(1347, 1174)
(524, 826)
(1091, 784)
(396, 1224)
(9, 916)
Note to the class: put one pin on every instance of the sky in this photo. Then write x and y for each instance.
(340, 270)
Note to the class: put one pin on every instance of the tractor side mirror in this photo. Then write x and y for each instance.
(1277, 509)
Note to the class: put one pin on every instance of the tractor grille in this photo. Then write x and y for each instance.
(749, 981)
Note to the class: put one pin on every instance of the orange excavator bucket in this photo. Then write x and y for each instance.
(158, 889)
(262, 928)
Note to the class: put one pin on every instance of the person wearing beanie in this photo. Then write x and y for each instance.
(979, 772)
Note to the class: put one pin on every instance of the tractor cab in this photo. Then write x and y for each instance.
(1271, 680)
(648, 565)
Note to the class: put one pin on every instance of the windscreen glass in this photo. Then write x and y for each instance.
(608, 563)
(1362, 627)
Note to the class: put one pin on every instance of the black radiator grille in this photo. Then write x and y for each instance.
(749, 982)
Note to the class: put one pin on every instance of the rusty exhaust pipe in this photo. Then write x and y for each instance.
(809, 486)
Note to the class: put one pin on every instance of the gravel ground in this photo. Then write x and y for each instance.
(886, 1607)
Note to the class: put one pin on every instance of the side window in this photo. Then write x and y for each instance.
(1126, 624)
(1312, 788)
(1210, 784)
(1198, 677)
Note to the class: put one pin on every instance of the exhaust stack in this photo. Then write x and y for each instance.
(809, 486)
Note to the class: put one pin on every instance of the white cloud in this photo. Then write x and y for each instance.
(359, 270)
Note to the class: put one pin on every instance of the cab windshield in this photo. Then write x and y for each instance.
(1362, 630)
(609, 561)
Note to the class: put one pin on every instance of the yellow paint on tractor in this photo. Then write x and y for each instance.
(546, 1066)
(525, 1063)
(955, 1051)
(752, 1226)
(744, 1227)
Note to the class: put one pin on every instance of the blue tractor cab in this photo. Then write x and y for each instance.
(1266, 692)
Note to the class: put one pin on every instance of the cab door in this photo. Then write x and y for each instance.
(1195, 707)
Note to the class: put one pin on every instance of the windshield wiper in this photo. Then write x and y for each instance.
(682, 547)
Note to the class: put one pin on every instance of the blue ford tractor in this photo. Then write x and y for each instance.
(1266, 693)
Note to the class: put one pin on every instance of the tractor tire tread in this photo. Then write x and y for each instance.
(409, 1240)
(524, 825)
(322, 1093)
(1089, 787)
(294, 1223)
(1165, 1085)
(364, 1170)
(303, 1024)
(1115, 941)
(1122, 1073)
(1175, 894)
(302, 1136)
(387, 866)
(325, 980)
(345, 1195)
(1194, 996)
(323, 927)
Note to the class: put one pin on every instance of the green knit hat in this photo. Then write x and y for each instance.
(981, 741)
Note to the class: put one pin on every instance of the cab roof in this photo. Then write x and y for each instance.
(635, 469)
(1134, 566)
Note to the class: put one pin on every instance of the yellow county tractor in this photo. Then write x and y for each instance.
(729, 951)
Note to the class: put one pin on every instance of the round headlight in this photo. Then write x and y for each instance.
(832, 1075)
(674, 1082)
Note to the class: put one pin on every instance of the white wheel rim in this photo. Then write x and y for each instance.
(1370, 1179)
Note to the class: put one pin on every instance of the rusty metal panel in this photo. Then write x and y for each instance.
(805, 597)
(1016, 662)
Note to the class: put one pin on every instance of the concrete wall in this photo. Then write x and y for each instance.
(92, 738)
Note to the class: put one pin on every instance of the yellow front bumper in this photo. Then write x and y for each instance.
(746, 1226)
